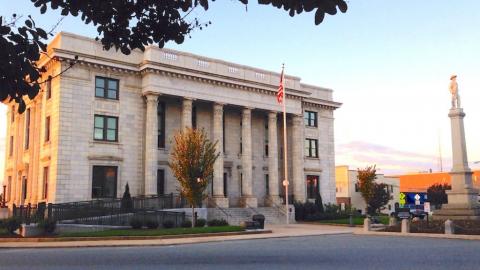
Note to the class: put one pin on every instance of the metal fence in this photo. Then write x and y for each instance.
(101, 210)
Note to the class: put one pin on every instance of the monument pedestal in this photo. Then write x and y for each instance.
(249, 201)
(220, 201)
(463, 198)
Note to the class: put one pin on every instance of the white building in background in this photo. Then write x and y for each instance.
(348, 193)
(110, 120)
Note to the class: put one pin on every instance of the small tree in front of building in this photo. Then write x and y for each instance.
(437, 195)
(191, 161)
(375, 195)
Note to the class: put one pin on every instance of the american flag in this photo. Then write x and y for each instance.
(280, 92)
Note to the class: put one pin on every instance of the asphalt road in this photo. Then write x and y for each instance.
(317, 252)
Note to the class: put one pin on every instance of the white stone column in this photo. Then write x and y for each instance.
(273, 184)
(151, 144)
(187, 113)
(218, 196)
(247, 183)
(297, 145)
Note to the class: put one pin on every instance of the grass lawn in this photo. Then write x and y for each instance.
(154, 232)
(356, 220)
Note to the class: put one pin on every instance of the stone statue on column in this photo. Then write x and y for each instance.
(463, 197)
(454, 92)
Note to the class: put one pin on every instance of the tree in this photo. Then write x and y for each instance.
(191, 161)
(436, 194)
(376, 195)
(122, 25)
(127, 202)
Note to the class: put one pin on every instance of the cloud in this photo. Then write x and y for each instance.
(389, 160)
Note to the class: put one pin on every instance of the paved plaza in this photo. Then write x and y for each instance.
(324, 252)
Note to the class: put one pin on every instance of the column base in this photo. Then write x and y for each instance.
(273, 200)
(219, 201)
(248, 201)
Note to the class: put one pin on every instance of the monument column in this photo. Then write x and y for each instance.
(187, 112)
(151, 144)
(462, 199)
(297, 147)
(218, 194)
(247, 182)
(273, 184)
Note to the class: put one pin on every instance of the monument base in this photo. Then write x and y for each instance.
(457, 214)
(462, 205)
(248, 201)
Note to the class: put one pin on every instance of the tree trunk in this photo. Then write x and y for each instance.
(193, 215)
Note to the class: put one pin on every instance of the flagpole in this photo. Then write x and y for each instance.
(285, 165)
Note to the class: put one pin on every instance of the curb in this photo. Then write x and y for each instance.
(120, 238)
(424, 235)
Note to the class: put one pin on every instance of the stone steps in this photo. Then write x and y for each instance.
(235, 216)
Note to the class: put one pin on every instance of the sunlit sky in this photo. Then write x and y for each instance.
(389, 63)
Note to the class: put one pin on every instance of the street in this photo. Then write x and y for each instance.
(314, 252)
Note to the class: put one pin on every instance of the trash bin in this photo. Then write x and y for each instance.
(260, 220)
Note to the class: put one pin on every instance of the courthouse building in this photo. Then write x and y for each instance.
(110, 120)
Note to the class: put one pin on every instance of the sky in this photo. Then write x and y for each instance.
(388, 62)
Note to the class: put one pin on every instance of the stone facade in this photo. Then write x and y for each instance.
(236, 106)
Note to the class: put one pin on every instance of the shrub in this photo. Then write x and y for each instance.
(217, 222)
(167, 224)
(200, 222)
(47, 225)
(136, 223)
(126, 203)
(152, 224)
(12, 224)
(186, 224)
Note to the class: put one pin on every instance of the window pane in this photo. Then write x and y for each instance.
(99, 92)
(112, 85)
(111, 135)
(112, 94)
(98, 121)
(99, 82)
(112, 123)
(98, 134)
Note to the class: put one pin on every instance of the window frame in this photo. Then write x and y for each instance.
(105, 127)
(311, 118)
(309, 149)
(162, 173)
(106, 89)
(48, 89)
(311, 192)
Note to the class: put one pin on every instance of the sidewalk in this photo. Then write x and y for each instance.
(278, 231)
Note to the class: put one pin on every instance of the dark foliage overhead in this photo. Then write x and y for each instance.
(124, 25)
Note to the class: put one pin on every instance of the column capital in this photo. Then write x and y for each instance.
(272, 114)
(217, 108)
(151, 96)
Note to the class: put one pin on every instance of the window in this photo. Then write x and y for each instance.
(161, 124)
(24, 187)
(194, 116)
(266, 137)
(106, 88)
(48, 89)
(160, 182)
(310, 118)
(241, 139)
(47, 129)
(106, 128)
(104, 182)
(223, 127)
(312, 186)
(267, 189)
(45, 183)
(27, 129)
(10, 148)
(241, 184)
(311, 149)
(225, 184)
(357, 187)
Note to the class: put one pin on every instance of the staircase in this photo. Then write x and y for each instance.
(234, 216)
